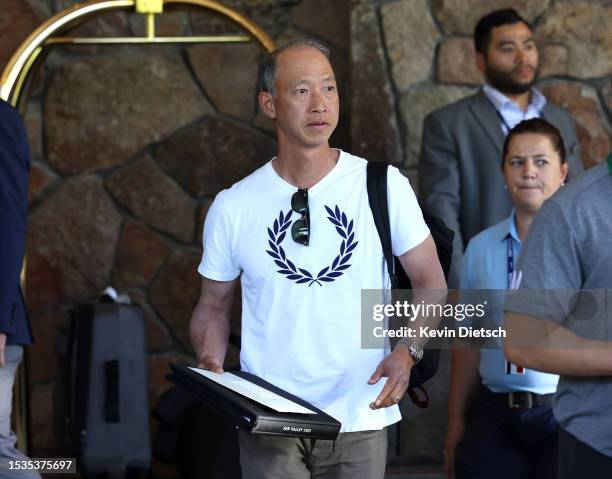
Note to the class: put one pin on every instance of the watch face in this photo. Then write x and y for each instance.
(416, 352)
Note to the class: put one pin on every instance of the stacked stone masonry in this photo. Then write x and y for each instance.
(130, 145)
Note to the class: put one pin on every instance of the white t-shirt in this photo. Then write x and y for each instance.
(301, 318)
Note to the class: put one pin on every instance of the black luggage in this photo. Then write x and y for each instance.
(102, 398)
(200, 442)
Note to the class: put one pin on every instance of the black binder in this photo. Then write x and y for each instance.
(251, 416)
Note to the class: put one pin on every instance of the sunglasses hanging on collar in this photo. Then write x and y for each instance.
(300, 230)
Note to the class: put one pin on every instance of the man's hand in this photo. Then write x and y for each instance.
(2, 348)
(396, 366)
(454, 436)
(210, 363)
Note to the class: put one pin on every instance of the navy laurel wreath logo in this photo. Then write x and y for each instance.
(300, 275)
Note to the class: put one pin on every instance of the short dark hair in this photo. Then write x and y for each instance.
(482, 32)
(540, 127)
(267, 65)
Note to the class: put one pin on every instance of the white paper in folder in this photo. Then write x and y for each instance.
(253, 391)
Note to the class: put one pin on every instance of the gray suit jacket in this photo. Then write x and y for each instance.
(459, 168)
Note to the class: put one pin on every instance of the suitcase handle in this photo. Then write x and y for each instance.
(111, 390)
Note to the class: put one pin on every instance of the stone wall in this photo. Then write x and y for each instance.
(129, 147)
(413, 56)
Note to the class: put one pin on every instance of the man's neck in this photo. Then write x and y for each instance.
(523, 222)
(521, 99)
(304, 168)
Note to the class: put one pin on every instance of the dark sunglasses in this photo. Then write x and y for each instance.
(300, 230)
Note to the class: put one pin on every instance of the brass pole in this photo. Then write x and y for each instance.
(150, 26)
(23, 60)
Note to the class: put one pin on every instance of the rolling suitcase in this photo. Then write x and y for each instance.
(103, 395)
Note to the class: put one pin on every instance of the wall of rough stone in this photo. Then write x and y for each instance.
(413, 56)
(129, 146)
(410, 57)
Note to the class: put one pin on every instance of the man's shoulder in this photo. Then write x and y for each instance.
(358, 165)
(254, 179)
(351, 161)
(242, 190)
(556, 113)
(351, 167)
(7, 112)
(591, 184)
(457, 108)
(5, 106)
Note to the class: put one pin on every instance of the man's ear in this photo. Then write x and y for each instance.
(266, 103)
(481, 62)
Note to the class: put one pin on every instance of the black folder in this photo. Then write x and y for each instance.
(250, 415)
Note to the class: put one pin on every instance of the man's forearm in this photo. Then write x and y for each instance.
(210, 323)
(590, 359)
(545, 346)
(209, 333)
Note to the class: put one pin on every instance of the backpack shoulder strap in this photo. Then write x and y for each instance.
(376, 183)
(377, 195)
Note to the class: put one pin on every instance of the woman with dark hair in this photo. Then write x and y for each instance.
(508, 430)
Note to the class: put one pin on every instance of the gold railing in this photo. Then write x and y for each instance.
(51, 32)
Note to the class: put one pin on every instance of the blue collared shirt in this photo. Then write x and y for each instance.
(486, 267)
(510, 113)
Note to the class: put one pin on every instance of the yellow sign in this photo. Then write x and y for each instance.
(149, 6)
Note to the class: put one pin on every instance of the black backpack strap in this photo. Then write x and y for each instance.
(414, 397)
(376, 183)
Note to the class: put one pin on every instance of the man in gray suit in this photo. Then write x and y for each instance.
(462, 143)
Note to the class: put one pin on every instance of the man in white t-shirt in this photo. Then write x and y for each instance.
(300, 235)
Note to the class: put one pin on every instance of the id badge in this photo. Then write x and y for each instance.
(514, 369)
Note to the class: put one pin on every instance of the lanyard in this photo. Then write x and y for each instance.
(510, 257)
(509, 367)
(503, 120)
(609, 159)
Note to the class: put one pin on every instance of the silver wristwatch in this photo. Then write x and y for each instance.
(416, 351)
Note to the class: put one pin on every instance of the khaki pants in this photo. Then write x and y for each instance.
(353, 455)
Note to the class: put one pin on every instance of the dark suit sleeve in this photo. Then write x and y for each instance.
(14, 167)
(439, 184)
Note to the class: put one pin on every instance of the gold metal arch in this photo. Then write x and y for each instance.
(49, 33)
(32, 50)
